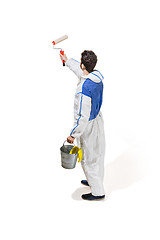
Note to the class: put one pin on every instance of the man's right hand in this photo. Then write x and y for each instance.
(70, 139)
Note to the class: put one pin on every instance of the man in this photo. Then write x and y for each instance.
(88, 127)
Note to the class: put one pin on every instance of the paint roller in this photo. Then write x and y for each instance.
(58, 41)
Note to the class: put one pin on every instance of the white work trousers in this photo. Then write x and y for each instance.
(92, 142)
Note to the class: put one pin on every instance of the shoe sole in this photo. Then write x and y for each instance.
(85, 184)
(99, 199)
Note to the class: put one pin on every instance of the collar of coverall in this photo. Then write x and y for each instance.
(95, 76)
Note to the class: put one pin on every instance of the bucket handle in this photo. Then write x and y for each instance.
(69, 143)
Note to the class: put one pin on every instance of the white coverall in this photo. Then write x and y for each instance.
(88, 125)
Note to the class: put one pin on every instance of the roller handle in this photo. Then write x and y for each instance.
(62, 52)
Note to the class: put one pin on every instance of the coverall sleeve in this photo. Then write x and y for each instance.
(74, 66)
(82, 116)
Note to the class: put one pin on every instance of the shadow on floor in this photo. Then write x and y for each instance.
(122, 172)
(77, 194)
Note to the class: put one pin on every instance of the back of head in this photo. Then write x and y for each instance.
(89, 60)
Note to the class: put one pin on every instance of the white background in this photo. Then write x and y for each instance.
(38, 198)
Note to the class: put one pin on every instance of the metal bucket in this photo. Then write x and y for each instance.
(68, 161)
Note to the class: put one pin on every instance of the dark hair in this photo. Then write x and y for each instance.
(89, 60)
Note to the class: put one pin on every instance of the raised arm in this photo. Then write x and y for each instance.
(73, 65)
